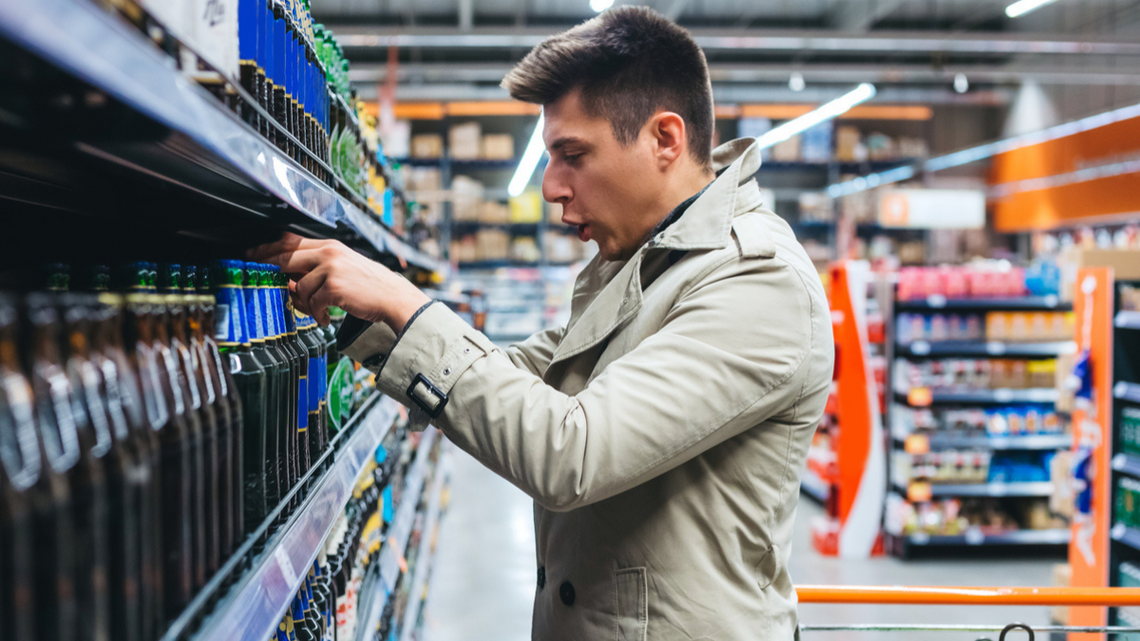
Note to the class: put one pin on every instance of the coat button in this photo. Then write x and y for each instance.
(542, 577)
(566, 593)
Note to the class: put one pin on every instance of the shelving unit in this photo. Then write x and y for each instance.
(200, 148)
(424, 554)
(906, 444)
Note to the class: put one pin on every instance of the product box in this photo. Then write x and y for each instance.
(1128, 501)
(847, 142)
(492, 244)
(498, 147)
(523, 248)
(463, 141)
(467, 198)
(816, 146)
(494, 213)
(464, 250)
(427, 146)
(1130, 430)
(787, 150)
(526, 207)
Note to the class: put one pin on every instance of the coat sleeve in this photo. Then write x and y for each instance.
(742, 347)
(534, 354)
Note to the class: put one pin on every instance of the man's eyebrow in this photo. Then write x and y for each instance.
(563, 141)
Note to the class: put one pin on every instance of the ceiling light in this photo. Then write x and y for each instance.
(961, 83)
(1022, 7)
(601, 5)
(840, 105)
(796, 82)
(529, 161)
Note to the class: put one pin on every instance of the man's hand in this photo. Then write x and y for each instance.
(326, 273)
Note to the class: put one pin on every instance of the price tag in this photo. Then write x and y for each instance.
(919, 492)
(974, 536)
(995, 348)
(1003, 395)
(920, 348)
(919, 397)
(917, 444)
(936, 300)
(286, 565)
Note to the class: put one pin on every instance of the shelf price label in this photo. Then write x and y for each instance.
(995, 348)
(919, 397)
(920, 348)
(974, 536)
(917, 444)
(919, 492)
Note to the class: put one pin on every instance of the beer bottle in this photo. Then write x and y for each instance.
(293, 341)
(132, 432)
(286, 451)
(99, 401)
(137, 344)
(248, 379)
(276, 375)
(316, 349)
(20, 469)
(299, 366)
(178, 479)
(228, 410)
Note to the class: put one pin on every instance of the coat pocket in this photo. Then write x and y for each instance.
(632, 604)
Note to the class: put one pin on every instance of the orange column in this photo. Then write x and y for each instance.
(1088, 550)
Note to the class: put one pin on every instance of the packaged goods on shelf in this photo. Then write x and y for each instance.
(524, 249)
(526, 207)
(953, 517)
(467, 198)
(1129, 298)
(463, 140)
(422, 179)
(464, 249)
(816, 207)
(848, 145)
(946, 466)
(787, 150)
(879, 147)
(498, 147)
(493, 212)
(1128, 502)
(1130, 430)
(918, 283)
(996, 326)
(427, 146)
(1020, 467)
(974, 375)
(492, 244)
(1128, 575)
(1024, 420)
(816, 143)
(562, 248)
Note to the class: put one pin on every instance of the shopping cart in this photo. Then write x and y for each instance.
(972, 596)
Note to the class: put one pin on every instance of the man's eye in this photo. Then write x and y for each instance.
(572, 158)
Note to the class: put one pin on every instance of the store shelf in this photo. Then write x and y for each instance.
(528, 229)
(983, 349)
(215, 152)
(1121, 533)
(978, 538)
(473, 164)
(938, 303)
(1039, 488)
(1127, 320)
(1035, 442)
(999, 396)
(400, 530)
(255, 605)
(423, 555)
(813, 486)
(1127, 463)
(500, 264)
(1127, 392)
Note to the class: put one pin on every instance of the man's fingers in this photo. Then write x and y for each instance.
(302, 306)
(297, 261)
(288, 242)
(306, 287)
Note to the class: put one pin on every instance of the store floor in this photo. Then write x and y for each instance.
(483, 579)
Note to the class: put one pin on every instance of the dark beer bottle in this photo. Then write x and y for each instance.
(318, 435)
(20, 469)
(132, 432)
(276, 374)
(285, 450)
(294, 343)
(178, 478)
(294, 358)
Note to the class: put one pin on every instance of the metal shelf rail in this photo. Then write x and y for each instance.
(424, 556)
(255, 605)
(103, 51)
(396, 541)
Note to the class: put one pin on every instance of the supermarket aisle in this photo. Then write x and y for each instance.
(483, 582)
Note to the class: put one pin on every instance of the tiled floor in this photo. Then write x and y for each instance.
(483, 581)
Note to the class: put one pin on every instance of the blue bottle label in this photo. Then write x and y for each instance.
(254, 316)
(230, 328)
(314, 399)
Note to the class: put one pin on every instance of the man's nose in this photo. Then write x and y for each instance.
(554, 190)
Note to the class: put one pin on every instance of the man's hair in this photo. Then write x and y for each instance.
(628, 62)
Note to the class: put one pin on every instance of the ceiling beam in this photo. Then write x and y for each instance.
(857, 16)
(756, 40)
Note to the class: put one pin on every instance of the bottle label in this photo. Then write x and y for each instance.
(341, 387)
(254, 317)
(303, 404)
(229, 312)
(314, 400)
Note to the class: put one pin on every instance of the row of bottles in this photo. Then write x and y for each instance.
(143, 436)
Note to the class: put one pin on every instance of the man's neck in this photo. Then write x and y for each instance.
(681, 192)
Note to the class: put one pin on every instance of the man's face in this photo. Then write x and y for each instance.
(607, 190)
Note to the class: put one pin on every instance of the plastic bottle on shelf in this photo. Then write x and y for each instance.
(69, 443)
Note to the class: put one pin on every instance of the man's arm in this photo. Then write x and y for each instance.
(534, 354)
(741, 348)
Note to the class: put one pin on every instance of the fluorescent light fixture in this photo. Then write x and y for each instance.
(529, 161)
(840, 105)
(988, 150)
(796, 82)
(1022, 7)
(601, 5)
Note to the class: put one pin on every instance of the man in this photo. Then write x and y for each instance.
(662, 432)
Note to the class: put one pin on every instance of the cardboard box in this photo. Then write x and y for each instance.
(427, 146)
(494, 213)
(467, 198)
(523, 248)
(492, 244)
(787, 151)
(526, 207)
(847, 140)
(498, 146)
(463, 141)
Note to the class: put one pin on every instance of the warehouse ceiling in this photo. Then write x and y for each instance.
(911, 49)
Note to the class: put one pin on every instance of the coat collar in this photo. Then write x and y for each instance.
(608, 293)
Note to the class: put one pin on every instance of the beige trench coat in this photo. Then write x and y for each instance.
(661, 433)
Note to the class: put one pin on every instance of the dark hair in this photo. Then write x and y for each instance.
(629, 62)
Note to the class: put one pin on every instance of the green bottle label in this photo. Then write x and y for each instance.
(341, 387)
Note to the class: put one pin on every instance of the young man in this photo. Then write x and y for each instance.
(662, 432)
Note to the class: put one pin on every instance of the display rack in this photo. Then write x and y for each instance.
(908, 442)
(424, 553)
(209, 151)
(393, 551)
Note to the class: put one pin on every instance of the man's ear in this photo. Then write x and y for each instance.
(667, 131)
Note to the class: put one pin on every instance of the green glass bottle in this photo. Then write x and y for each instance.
(287, 438)
(277, 373)
(318, 435)
(293, 342)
